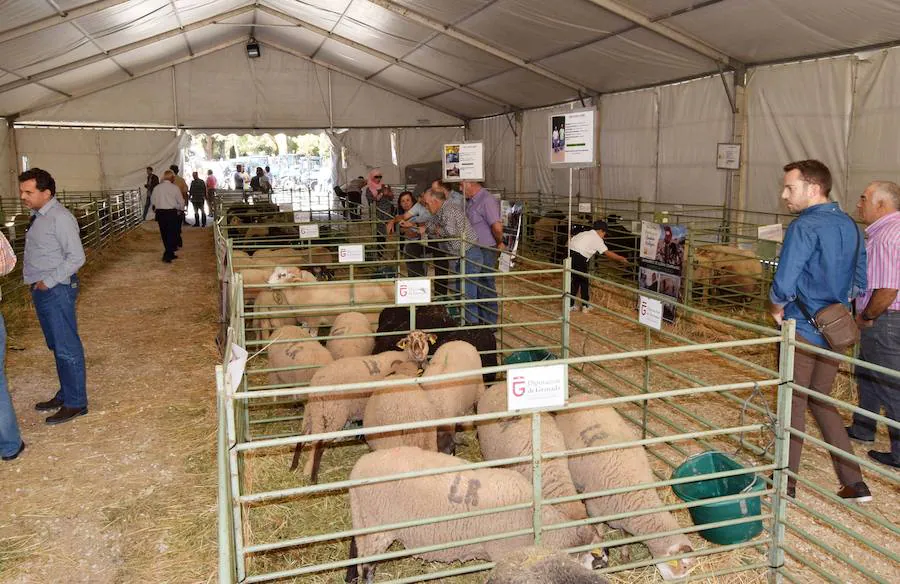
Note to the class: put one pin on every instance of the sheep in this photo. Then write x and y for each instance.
(331, 295)
(305, 351)
(350, 324)
(396, 405)
(454, 397)
(329, 412)
(539, 565)
(276, 299)
(429, 318)
(446, 494)
(598, 471)
(294, 256)
(727, 269)
(511, 437)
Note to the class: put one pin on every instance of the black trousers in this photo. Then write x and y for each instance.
(580, 284)
(354, 202)
(181, 220)
(169, 221)
(147, 204)
(199, 210)
(414, 250)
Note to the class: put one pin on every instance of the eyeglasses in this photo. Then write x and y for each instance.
(378, 176)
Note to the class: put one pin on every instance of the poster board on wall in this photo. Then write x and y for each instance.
(462, 161)
(572, 138)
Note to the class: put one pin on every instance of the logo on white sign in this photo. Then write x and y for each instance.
(584, 207)
(536, 387)
(650, 312)
(350, 253)
(309, 231)
(302, 216)
(413, 291)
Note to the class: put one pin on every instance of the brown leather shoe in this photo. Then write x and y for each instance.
(65, 414)
(53, 403)
(858, 493)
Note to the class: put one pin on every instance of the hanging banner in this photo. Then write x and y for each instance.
(662, 262)
(572, 138)
(463, 161)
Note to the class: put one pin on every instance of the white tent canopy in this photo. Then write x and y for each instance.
(394, 64)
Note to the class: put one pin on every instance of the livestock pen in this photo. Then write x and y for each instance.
(685, 389)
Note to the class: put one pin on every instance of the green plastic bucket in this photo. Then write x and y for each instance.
(713, 462)
(528, 356)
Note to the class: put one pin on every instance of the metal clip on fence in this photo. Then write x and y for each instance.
(772, 420)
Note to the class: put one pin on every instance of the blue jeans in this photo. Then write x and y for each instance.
(56, 312)
(10, 438)
(481, 261)
(879, 344)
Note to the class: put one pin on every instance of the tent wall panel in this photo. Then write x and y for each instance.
(628, 144)
(796, 112)
(874, 154)
(7, 164)
(499, 150)
(693, 118)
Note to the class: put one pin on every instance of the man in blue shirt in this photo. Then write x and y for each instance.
(822, 249)
(53, 255)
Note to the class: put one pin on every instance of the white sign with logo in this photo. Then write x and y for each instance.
(506, 261)
(302, 216)
(650, 312)
(584, 207)
(236, 366)
(309, 231)
(286, 207)
(348, 254)
(536, 387)
(417, 291)
(774, 232)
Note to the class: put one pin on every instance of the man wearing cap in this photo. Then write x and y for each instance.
(581, 248)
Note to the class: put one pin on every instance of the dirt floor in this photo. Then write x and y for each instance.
(128, 492)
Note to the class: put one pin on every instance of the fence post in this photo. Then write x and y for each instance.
(645, 408)
(567, 293)
(782, 444)
(536, 450)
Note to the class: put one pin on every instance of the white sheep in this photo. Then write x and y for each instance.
(350, 324)
(539, 565)
(396, 405)
(611, 469)
(273, 299)
(511, 437)
(447, 494)
(304, 351)
(330, 412)
(329, 294)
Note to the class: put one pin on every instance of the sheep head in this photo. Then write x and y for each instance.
(417, 344)
(289, 275)
(675, 569)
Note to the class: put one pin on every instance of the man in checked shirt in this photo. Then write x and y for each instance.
(11, 443)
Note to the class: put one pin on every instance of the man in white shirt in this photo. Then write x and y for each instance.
(581, 248)
(167, 203)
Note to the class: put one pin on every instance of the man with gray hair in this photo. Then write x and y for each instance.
(878, 317)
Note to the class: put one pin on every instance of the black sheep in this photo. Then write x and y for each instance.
(432, 317)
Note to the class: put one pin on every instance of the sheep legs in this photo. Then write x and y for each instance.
(368, 570)
(311, 469)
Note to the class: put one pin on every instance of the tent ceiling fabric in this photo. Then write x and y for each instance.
(517, 53)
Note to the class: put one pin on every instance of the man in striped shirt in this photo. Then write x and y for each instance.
(11, 443)
(879, 317)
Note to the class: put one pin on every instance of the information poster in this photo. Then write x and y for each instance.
(572, 138)
(662, 262)
(728, 156)
(463, 161)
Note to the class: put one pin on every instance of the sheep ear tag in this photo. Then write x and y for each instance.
(401, 344)
(432, 338)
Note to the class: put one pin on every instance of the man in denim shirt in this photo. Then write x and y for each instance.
(53, 255)
(816, 262)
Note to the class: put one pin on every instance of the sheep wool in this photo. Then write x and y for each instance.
(511, 437)
(455, 397)
(305, 353)
(624, 467)
(396, 405)
(539, 565)
(446, 494)
(329, 412)
(350, 324)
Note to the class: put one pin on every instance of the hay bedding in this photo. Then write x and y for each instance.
(329, 512)
(126, 493)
